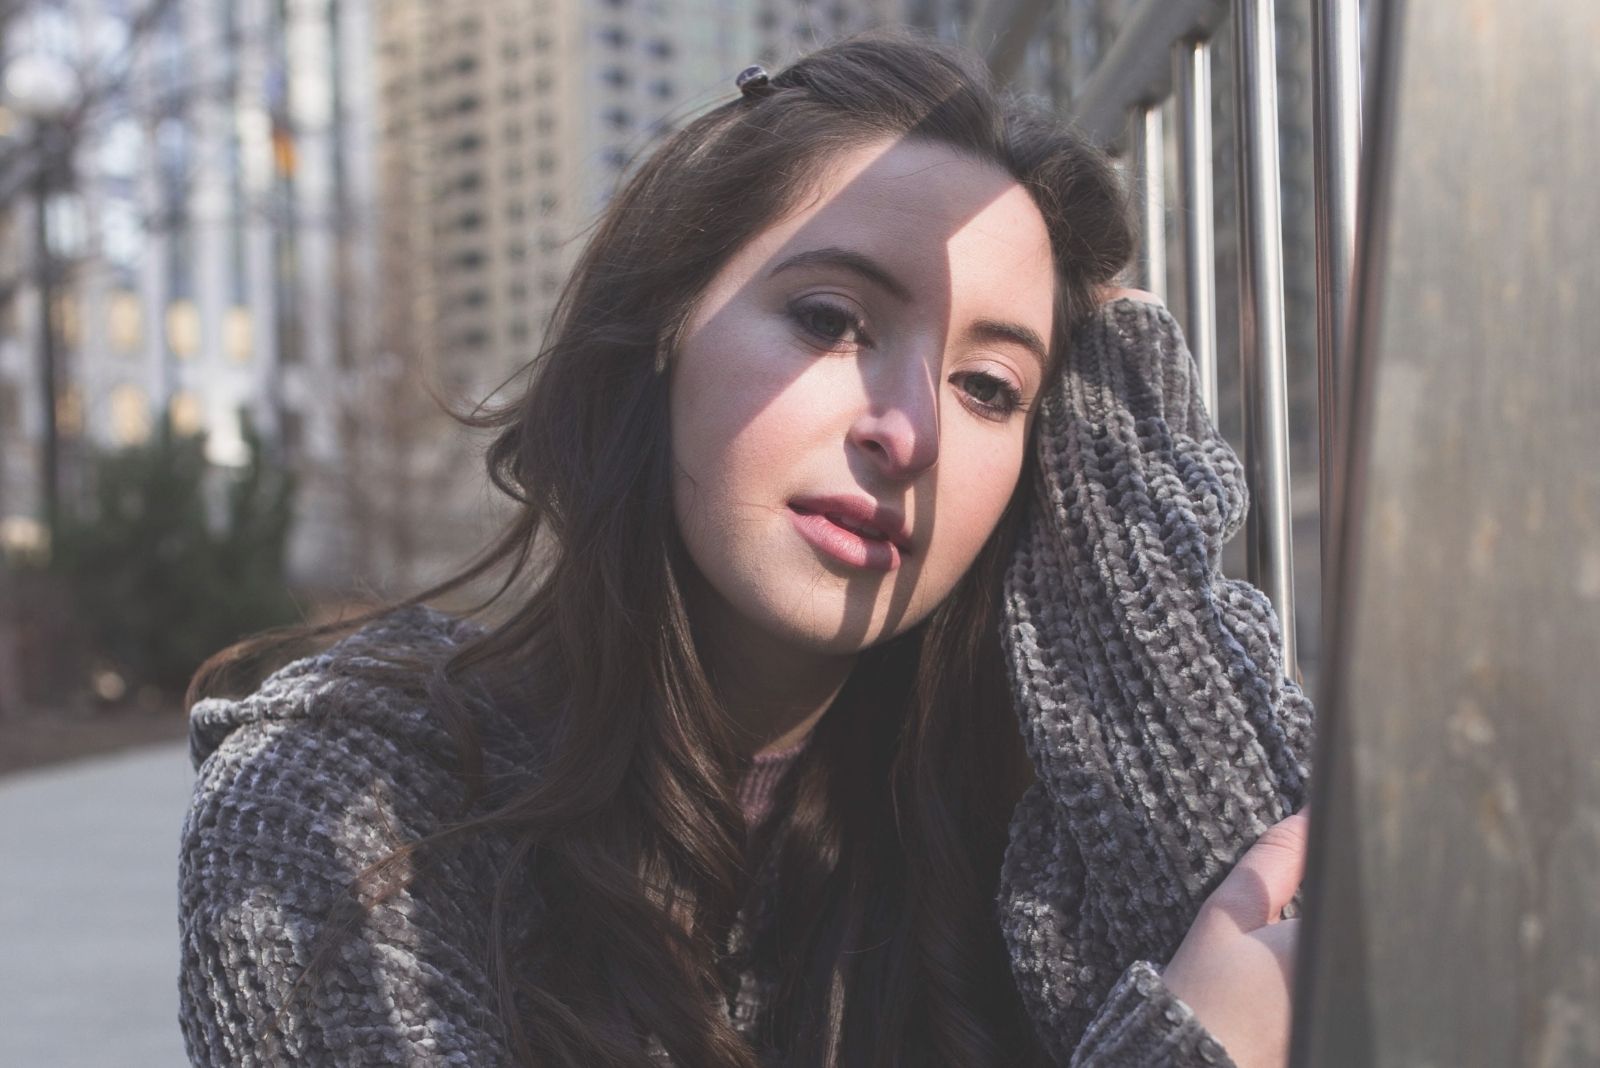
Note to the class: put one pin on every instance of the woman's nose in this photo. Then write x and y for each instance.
(900, 432)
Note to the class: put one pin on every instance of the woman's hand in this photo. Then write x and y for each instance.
(1235, 968)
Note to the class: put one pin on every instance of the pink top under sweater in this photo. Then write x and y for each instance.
(761, 780)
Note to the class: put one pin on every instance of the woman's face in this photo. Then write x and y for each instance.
(853, 394)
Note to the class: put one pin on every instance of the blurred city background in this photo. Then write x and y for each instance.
(247, 250)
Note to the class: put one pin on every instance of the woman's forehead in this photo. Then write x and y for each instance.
(935, 221)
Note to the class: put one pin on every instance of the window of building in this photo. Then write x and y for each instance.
(238, 334)
(183, 411)
(183, 329)
(69, 324)
(69, 411)
(130, 415)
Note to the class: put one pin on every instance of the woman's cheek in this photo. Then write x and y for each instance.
(973, 502)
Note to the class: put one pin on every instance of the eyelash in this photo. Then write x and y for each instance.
(1010, 398)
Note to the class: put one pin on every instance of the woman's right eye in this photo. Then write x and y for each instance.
(831, 323)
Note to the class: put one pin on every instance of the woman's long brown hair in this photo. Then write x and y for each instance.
(890, 829)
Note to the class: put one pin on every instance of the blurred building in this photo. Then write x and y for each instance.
(205, 247)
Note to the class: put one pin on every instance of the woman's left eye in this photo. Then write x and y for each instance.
(992, 396)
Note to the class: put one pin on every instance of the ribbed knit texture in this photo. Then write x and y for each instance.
(1148, 689)
(761, 779)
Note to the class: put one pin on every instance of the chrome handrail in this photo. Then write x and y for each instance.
(1161, 51)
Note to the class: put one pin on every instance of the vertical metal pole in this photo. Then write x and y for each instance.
(1333, 1022)
(1192, 79)
(1262, 346)
(1145, 140)
(1336, 110)
(44, 281)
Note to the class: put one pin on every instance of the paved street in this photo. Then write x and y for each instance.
(88, 912)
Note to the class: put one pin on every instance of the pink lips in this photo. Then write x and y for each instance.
(851, 530)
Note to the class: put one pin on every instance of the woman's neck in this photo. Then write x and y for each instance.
(774, 692)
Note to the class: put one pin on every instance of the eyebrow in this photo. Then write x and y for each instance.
(855, 262)
(992, 331)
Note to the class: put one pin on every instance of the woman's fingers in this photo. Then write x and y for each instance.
(1266, 877)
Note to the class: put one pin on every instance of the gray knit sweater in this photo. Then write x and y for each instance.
(1148, 688)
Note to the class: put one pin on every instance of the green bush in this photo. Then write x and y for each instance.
(160, 580)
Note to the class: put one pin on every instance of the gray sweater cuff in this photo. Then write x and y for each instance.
(1142, 1024)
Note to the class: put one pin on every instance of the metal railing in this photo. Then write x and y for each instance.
(1163, 51)
(1460, 538)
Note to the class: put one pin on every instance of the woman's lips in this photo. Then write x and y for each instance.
(843, 544)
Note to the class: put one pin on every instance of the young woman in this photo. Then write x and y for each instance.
(861, 689)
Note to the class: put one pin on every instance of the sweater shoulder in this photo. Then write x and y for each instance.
(372, 679)
(302, 786)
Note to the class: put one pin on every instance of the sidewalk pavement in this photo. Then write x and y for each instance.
(88, 912)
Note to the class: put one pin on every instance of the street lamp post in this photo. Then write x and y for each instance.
(42, 89)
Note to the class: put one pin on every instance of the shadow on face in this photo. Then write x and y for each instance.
(852, 398)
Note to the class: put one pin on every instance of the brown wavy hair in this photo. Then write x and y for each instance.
(889, 831)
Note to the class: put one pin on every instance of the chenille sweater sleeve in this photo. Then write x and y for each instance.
(299, 786)
(1151, 696)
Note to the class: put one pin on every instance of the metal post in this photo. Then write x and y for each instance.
(44, 283)
(1262, 346)
(1192, 80)
(1333, 1022)
(1336, 110)
(1146, 163)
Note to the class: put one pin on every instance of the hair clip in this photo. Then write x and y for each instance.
(753, 81)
